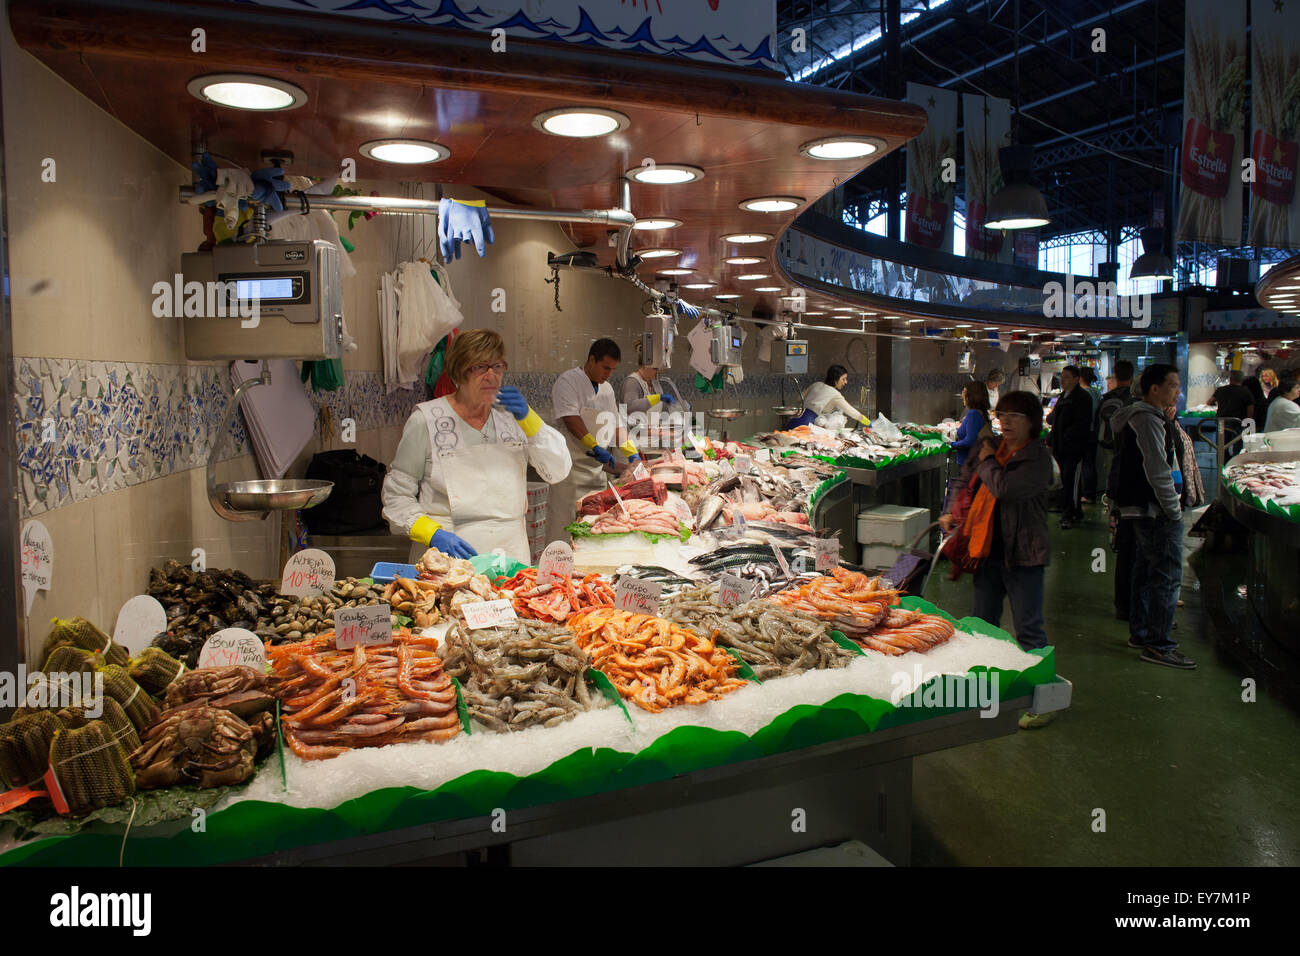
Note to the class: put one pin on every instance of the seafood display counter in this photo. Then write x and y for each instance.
(1262, 491)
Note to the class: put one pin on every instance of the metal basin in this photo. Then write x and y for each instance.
(787, 410)
(284, 494)
(728, 414)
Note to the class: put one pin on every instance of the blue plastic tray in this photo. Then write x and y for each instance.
(384, 571)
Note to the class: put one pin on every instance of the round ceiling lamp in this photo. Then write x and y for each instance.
(1018, 204)
(841, 147)
(745, 238)
(699, 285)
(674, 272)
(743, 260)
(1153, 263)
(580, 122)
(665, 174)
(646, 225)
(405, 151)
(727, 295)
(772, 203)
(247, 91)
(754, 276)
(658, 253)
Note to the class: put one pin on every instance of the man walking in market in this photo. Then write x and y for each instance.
(1071, 421)
(1148, 488)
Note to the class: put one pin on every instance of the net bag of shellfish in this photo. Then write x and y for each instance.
(112, 714)
(89, 769)
(25, 747)
(153, 669)
(81, 633)
(139, 706)
(67, 659)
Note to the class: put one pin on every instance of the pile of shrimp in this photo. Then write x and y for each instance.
(903, 630)
(652, 662)
(333, 701)
(849, 601)
(555, 601)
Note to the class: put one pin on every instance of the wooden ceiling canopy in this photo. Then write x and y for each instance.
(367, 80)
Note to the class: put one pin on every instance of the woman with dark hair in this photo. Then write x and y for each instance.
(1006, 526)
(822, 400)
(976, 423)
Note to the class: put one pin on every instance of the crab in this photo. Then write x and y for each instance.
(239, 689)
(205, 746)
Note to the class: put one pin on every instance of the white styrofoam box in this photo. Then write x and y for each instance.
(891, 524)
(879, 555)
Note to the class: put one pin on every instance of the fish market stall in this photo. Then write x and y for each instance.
(1261, 489)
(591, 730)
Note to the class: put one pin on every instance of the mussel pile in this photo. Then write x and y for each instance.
(200, 603)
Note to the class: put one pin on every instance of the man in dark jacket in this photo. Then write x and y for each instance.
(1147, 488)
(1236, 403)
(1118, 397)
(1071, 421)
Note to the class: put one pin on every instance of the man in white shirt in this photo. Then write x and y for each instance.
(586, 414)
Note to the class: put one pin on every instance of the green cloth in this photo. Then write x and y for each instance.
(325, 375)
(708, 386)
(434, 371)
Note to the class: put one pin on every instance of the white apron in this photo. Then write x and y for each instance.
(486, 484)
(586, 475)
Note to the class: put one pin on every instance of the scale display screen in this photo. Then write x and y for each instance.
(796, 348)
(735, 341)
(267, 290)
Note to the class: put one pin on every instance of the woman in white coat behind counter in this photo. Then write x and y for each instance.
(822, 400)
(458, 481)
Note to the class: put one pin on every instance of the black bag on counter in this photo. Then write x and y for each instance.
(354, 504)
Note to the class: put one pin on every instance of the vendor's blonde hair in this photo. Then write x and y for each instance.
(476, 347)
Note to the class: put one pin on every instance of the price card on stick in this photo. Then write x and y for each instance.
(309, 573)
(827, 551)
(637, 596)
(556, 563)
(640, 471)
(141, 619)
(780, 559)
(733, 590)
(743, 464)
(481, 614)
(231, 646)
(362, 625)
(37, 560)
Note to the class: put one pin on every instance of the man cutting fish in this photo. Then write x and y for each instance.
(586, 413)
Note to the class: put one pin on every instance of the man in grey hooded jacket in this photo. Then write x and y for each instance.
(1147, 491)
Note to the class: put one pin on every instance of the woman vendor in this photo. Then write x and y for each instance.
(643, 389)
(822, 400)
(458, 480)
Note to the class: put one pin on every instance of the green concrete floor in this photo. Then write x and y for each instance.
(1186, 772)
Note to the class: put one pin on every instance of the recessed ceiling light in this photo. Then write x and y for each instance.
(727, 295)
(408, 151)
(914, 321)
(961, 326)
(743, 260)
(741, 238)
(644, 225)
(772, 204)
(247, 91)
(670, 174)
(675, 272)
(843, 308)
(754, 276)
(870, 313)
(658, 253)
(767, 288)
(699, 285)
(841, 147)
(580, 121)
(814, 313)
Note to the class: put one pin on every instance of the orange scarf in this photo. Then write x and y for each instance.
(979, 521)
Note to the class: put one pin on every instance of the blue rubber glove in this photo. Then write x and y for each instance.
(459, 223)
(448, 543)
(666, 399)
(634, 460)
(602, 455)
(509, 398)
(205, 174)
(268, 183)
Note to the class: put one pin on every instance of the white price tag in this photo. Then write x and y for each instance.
(695, 441)
(640, 471)
(617, 497)
(481, 614)
(556, 563)
(683, 511)
(362, 625)
(828, 553)
(733, 590)
(743, 464)
(141, 619)
(763, 454)
(637, 596)
(309, 573)
(780, 559)
(37, 560)
(232, 646)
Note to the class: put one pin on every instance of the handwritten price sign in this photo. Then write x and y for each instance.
(483, 614)
(733, 590)
(638, 597)
(232, 646)
(743, 464)
(308, 573)
(827, 551)
(362, 625)
(138, 622)
(556, 562)
(37, 560)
